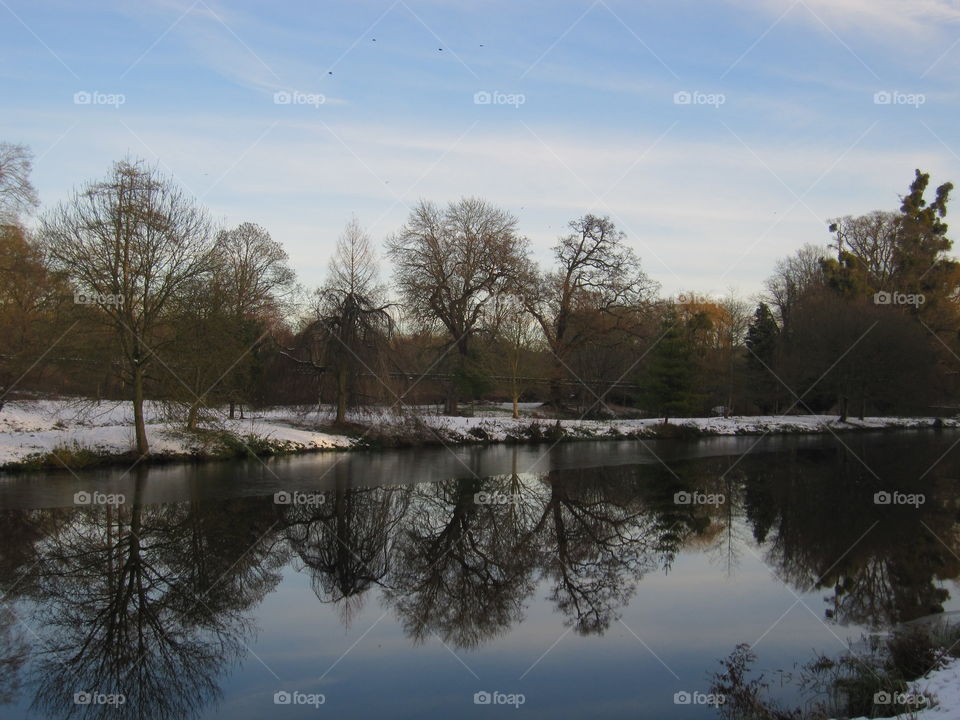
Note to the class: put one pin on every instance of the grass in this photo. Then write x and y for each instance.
(250, 445)
(70, 456)
(871, 685)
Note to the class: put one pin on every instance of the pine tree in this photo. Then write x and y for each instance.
(763, 338)
(669, 383)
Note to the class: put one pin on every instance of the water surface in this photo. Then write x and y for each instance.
(587, 579)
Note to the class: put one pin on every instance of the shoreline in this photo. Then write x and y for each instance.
(52, 436)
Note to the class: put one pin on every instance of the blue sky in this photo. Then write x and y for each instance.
(783, 130)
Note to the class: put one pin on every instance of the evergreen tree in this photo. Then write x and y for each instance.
(763, 338)
(669, 383)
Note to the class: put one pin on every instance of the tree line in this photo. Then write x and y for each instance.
(129, 290)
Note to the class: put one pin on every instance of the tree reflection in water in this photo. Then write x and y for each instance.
(155, 601)
(882, 564)
(345, 542)
(147, 602)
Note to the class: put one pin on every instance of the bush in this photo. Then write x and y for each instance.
(913, 653)
(251, 444)
(850, 685)
(73, 456)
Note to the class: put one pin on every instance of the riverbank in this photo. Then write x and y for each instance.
(941, 689)
(49, 433)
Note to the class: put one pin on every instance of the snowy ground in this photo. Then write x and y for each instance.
(943, 686)
(29, 428)
(39, 427)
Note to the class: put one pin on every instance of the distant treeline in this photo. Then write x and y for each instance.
(128, 290)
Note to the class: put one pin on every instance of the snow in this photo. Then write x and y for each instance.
(499, 429)
(943, 687)
(40, 426)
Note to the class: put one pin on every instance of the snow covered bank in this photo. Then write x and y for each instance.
(505, 428)
(30, 431)
(943, 687)
(40, 431)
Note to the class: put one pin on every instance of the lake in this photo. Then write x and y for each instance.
(595, 579)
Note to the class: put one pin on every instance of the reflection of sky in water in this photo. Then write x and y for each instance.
(678, 624)
(690, 618)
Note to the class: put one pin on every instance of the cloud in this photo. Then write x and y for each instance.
(873, 16)
(691, 206)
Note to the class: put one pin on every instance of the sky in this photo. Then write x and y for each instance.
(719, 136)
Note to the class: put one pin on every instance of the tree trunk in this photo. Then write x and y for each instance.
(341, 396)
(516, 407)
(556, 387)
(192, 415)
(194, 411)
(143, 447)
(452, 403)
(233, 406)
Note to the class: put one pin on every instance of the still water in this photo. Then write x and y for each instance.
(600, 580)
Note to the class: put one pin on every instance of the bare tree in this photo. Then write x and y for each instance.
(17, 194)
(732, 331)
(793, 277)
(353, 267)
(252, 275)
(353, 323)
(872, 239)
(450, 264)
(131, 243)
(199, 318)
(253, 269)
(517, 345)
(596, 272)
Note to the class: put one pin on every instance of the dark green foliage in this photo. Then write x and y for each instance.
(668, 387)
(763, 340)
